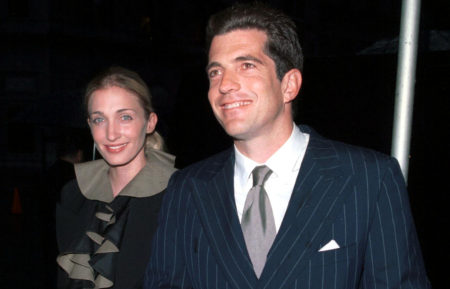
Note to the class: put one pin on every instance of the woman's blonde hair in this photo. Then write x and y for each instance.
(133, 83)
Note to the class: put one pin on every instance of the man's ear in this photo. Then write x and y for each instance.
(290, 84)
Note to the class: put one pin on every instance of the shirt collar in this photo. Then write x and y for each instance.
(289, 156)
(280, 162)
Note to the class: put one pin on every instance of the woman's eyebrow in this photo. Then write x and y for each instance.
(126, 109)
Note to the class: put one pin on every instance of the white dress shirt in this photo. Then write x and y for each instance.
(285, 165)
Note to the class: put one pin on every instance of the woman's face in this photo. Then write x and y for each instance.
(119, 126)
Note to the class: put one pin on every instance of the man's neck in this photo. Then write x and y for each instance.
(260, 149)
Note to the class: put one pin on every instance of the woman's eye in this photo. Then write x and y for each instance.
(97, 120)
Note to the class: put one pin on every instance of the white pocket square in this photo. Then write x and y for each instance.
(332, 245)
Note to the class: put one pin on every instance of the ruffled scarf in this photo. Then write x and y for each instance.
(93, 264)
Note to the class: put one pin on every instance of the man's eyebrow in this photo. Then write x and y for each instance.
(211, 65)
(247, 58)
(237, 59)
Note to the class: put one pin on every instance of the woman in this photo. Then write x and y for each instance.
(107, 216)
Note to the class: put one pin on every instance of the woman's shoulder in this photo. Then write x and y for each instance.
(153, 178)
(70, 192)
(92, 180)
(71, 197)
(72, 214)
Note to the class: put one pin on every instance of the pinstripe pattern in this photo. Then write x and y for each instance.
(352, 195)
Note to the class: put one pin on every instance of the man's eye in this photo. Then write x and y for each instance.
(247, 65)
(213, 73)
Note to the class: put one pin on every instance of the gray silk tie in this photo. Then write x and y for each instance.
(258, 224)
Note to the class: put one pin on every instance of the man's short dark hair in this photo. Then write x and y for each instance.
(282, 45)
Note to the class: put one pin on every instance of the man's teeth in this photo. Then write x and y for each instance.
(235, 104)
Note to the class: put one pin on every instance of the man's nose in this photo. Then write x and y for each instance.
(229, 82)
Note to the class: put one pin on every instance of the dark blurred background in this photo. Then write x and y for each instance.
(50, 49)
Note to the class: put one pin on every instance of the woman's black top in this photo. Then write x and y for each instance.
(105, 242)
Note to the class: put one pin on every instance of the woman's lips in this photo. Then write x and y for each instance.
(115, 148)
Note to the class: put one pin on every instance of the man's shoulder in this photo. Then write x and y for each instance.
(342, 152)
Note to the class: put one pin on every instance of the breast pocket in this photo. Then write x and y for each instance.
(345, 253)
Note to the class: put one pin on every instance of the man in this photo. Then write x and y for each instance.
(284, 208)
(69, 151)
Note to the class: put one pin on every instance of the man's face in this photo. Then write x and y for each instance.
(244, 91)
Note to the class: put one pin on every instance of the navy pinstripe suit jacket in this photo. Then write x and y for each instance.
(354, 196)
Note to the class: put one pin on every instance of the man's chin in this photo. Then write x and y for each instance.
(238, 136)
(235, 129)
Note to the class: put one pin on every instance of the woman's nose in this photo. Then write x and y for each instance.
(112, 132)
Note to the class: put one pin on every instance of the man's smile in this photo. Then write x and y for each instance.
(235, 104)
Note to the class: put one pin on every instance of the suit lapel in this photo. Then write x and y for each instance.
(217, 211)
(316, 196)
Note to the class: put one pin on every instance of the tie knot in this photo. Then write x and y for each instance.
(260, 175)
